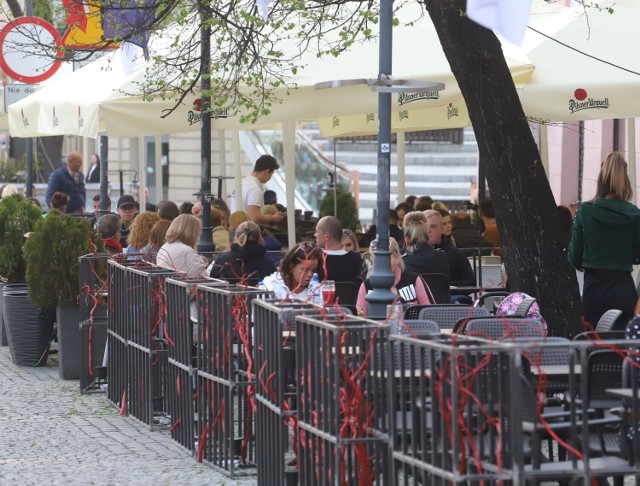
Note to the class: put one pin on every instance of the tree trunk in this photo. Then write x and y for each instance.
(526, 212)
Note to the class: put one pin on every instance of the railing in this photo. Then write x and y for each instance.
(333, 398)
(451, 135)
(314, 172)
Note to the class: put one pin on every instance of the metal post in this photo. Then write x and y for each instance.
(121, 183)
(29, 181)
(335, 180)
(381, 276)
(104, 171)
(206, 241)
(29, 141)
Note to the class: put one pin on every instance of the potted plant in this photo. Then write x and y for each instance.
(347, 208)
(24, 333)
(52, 253)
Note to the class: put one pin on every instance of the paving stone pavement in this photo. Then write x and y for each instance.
(51, 434)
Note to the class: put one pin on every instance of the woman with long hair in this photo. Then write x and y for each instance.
(605, 243)
(179, 252)
(296, 271)
(408, 286)
(139, 235)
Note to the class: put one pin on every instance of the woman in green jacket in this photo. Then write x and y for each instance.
(605, 243)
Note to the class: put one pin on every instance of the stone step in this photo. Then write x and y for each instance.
(433, 189)
(448, 160)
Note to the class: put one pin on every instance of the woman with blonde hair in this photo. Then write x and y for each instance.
(605, 243)
(421, 257)
(247, 258)
(407, 285)
(139, 235)
(179, 251)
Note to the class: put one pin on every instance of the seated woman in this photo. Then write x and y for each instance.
(296, 270)
(350, 243)
(139, 235)
(408, 286)
(179, 252)
(157, 238)
(247, 258)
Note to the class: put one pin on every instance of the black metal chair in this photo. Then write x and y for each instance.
(523, 308)
(420, 328)
(438, 284)
(447, 315)
(609, 320)
(500, 327)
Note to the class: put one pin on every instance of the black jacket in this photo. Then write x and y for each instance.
(424, 259)
(342, 268)
(460, 271)
(249, 261)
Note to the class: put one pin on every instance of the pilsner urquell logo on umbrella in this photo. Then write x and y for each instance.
(582, 101)
(80, 119)
(54, 119)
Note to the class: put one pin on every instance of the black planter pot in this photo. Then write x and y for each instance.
(4, 341)
(3, 333)
(28, 332)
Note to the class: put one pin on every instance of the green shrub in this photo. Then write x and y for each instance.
(18, 216)
(347, 208)
(52, 253)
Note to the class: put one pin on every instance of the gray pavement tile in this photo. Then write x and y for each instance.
(50, 434)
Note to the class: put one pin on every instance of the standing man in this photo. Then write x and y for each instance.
(69, 180)
(127, 210)
(339, 265)
(253, 191)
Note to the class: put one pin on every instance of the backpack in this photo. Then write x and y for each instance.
(510, 304)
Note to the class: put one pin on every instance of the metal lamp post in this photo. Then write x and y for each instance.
(384, 85)
(205, 245)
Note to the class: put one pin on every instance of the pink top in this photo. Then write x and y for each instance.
(422, 298)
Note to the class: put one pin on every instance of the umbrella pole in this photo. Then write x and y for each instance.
(381, 277)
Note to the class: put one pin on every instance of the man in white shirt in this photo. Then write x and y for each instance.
(253, 191)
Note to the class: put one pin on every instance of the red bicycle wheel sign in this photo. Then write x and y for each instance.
(30, 49)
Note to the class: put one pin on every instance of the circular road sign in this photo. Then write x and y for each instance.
(30, 49)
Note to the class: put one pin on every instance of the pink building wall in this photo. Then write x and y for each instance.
(563, 143)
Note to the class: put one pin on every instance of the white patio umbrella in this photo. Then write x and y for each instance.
(586, 68)
(93, 99)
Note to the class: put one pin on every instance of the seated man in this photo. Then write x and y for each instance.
(421, 257)
(339, 265)
(460, 271)
(109, 228)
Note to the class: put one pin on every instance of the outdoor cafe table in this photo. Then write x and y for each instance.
(626, 393)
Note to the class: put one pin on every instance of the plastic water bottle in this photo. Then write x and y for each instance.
(314, 290)
(394, 317)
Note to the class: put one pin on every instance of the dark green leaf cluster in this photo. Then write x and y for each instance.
(347, 208)
(52, 253)
(18, 216)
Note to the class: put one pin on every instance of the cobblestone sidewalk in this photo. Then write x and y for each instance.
(50, 434)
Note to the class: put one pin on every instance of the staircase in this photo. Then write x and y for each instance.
(443, 171)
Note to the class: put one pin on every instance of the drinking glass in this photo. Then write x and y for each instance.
(328, 291)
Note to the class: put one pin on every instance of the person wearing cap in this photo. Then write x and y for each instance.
(127, 211)
(69, 180)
